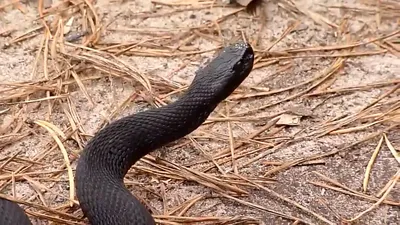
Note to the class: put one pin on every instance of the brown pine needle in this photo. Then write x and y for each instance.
(353, 193)
(319, 79)
(375, 205)
(231, 143)
(290, 201)
(370, 164)
(64, 152)
(83, 56)
(395, 153)
(258, 207)
(355, 129)
(339, 47)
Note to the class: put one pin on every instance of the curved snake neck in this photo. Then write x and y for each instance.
(108, 156)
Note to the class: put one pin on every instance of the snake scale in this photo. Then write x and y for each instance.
(109, 155)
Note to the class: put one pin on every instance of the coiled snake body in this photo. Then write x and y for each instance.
(109, 155)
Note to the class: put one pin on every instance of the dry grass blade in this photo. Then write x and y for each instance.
(391, 148)
(353, 193)
(27, 35)
(53, 218)
(332, 126)
(82, 87)
(287, 165)
(198, 146)
(31, 101)
(267, 93)
(48, 126)
(375, 205)
(353, 88)
(319, 79)
(328, 154)
(258, 207)
(231, 143)
(225, 152)
(355, 129)
(117, 110)
(339, 47)
(173, 170)
(77, 64)
(185, 206)
(204, 220)
(290, 202)
(330, 180)
(370, 164)
(261, 155)
(112, 65)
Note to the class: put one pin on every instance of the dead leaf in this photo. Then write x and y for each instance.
(289, 119)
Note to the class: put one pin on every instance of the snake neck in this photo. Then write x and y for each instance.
(127, 140)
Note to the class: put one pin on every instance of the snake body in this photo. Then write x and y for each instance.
(109, 155)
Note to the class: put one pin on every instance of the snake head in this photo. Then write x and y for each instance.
(225, 72)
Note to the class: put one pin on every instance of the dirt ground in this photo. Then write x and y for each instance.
(329, 70)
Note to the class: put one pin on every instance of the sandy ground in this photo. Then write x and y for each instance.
(26, 142)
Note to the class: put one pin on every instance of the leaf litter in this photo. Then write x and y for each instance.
(73, 53)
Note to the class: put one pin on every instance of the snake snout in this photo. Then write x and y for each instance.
(233, 66)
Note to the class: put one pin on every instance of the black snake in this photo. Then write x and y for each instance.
(109, 155)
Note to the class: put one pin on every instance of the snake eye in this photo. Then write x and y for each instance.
(238, 65)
